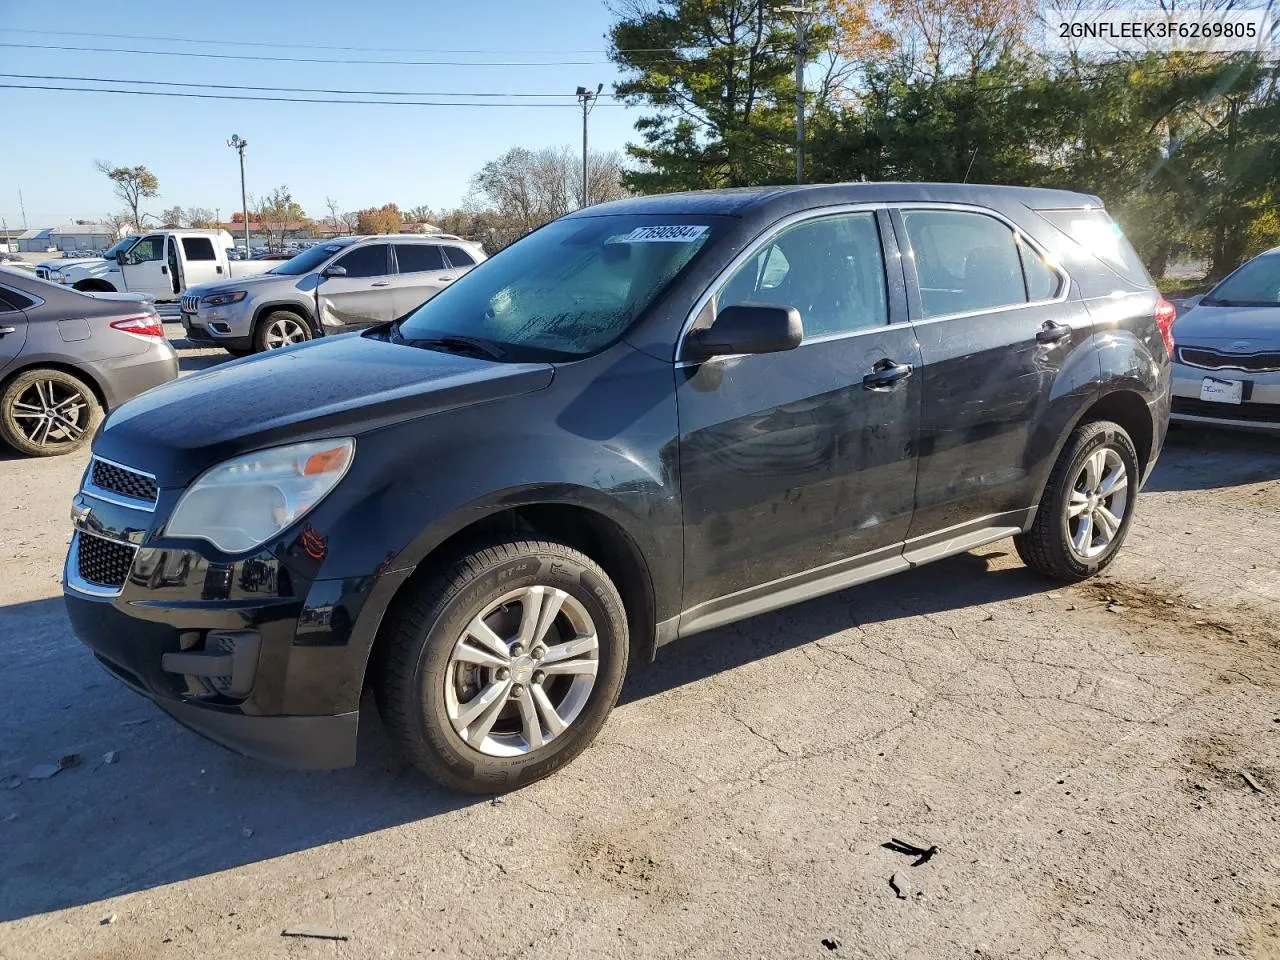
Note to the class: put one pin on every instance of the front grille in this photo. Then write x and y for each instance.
(104, 562)
(1216, 360)
(123, 481)
(190, 304)
(1252, 412)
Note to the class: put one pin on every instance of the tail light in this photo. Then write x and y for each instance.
(143, 325)
(1165, 315)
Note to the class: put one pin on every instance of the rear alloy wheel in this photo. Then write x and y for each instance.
(44, 413)
(503, 666)
(1087, 505)
(280, 329)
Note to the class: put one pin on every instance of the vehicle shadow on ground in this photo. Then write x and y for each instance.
(202, 361)
(1196, 458)
(173, 806)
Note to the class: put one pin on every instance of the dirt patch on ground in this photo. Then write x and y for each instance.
(631, 865)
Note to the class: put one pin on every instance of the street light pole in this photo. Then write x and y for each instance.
(587, 99)
(802, 28)
(239, 146)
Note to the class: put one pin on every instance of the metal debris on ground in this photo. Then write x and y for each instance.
(893, 884)
(313, 932)
(922, 854)
(69, 760)
(246, 832)
(831, 943)
(1116, 608)
(111, 756)
(107, 921)
(1253, 784)
(43, 771)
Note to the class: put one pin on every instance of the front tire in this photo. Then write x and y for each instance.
(1087, 505)
(44, 413)
(280, 328)
(503, 666)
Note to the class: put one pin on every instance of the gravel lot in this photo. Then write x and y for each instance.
(1078, 755)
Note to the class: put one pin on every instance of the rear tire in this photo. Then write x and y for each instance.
(1087, 505)
(280, 328)
(435, 670)
(44, 413)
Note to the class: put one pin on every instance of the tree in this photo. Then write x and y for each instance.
(132, 186)
(119, 222)
(384, 219)
(351, 220)
(278, 215)
(201, 218)
(173, 217)
(420, 214)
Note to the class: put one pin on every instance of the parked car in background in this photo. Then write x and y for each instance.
(161, 264)
(644, 420)
(1227, 359)
(15, 262)
(340, 285)
(67, 357)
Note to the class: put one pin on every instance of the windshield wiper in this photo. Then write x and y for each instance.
(462, 345)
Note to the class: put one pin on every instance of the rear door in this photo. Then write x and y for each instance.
(146, 268)
(13, 323)
(421, 274)
(791, 463)
(1004, 348)
(364, 296)
(200, 261)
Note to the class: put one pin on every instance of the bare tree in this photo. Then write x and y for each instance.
(200, 218)
(172, 217)
(132, 186)
(119, 222)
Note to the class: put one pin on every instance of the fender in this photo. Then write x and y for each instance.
(304, 306)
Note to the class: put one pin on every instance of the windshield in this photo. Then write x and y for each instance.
(1256, 284)
(308, 260)
(119, 245)
(567, 290)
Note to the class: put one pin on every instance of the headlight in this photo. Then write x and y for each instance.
(244, 502)
(57, 276)
(222, 299)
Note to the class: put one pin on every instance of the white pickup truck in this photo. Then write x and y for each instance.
(162, 264)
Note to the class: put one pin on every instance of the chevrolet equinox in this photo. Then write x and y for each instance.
(646, 419)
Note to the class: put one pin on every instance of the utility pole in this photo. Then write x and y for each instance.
(587, 99)
(23, 207)
(802, 15)
(239, 145)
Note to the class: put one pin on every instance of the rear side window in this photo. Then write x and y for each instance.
(11, 300)
(459, 257)
(370, 261)
(964, 261)
(198, 248)
(418, 257)
(1093, 229)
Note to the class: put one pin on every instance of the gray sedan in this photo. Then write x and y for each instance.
(66, 357)
(1227, 356)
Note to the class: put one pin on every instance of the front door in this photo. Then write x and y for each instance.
(146, 268)
(990, 415)
(790, 462)
(421, 274)
(364, 296)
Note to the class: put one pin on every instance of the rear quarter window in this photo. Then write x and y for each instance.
(1094, 230)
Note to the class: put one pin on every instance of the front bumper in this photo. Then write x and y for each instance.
(219, 326)
(1259, 409)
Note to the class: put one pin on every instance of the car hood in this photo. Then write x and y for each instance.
(62, 264)
(240, 283)
(339, 386)
(1213, 326)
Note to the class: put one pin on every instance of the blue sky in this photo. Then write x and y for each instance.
(361, 155)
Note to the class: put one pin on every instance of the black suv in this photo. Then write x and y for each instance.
(646, 419)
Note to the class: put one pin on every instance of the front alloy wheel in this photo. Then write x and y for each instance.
(280, 329)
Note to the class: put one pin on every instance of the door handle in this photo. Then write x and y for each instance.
(5, 331)
(886, 373)
(218, 268)
(380, 283)
(1052, 332)
(164, 271)
(446, 279)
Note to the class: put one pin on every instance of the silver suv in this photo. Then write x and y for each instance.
(333, 287)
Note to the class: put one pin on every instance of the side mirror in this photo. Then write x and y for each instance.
(120, 255)
(334, 271)
(746, 328)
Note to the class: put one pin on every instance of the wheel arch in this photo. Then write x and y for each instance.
(38, 363)
(93, 285)
(288, 306)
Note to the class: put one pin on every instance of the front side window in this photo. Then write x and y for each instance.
(964, 261)
(567, 290)
(198, 248)
(830, 269)
(147, 249)
(307, 261)
(418, 257)
(370, 261)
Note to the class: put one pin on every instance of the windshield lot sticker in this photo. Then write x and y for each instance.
(673, 234)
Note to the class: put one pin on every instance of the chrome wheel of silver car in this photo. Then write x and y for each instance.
(283, 331)
(50, 413)
(1097, 503)
(522, 671)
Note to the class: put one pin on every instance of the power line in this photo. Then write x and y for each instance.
(236, 86)
(227, 96)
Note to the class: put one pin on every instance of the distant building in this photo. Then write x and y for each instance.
(35, 241)
(83, 235)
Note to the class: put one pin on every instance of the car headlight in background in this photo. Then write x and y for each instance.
(222, 299)
(57, 276)
(246, 501)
